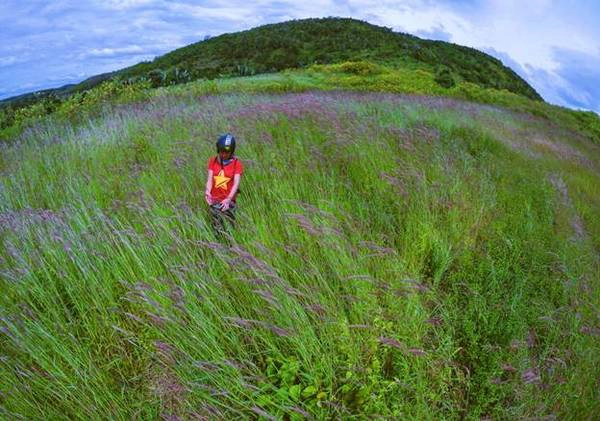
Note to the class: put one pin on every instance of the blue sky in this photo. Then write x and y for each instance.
(554, 45)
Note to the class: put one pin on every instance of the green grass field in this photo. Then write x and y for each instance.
(399, 256)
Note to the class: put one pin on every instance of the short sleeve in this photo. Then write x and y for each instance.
(239, 167)
(209, 164)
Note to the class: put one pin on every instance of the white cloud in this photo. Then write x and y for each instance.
(110, 52)
(126, 4)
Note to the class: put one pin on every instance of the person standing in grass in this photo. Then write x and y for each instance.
(222, 186)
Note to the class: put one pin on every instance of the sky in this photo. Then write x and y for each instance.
(553, 44)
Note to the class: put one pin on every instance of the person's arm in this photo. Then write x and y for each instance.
(236, 184)
(209, 184)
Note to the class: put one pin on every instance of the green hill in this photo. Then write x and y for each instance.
(300, 43)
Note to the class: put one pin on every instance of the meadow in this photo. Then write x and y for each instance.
(395, 256)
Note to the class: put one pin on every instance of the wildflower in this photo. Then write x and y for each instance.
(515, 344)
(391, 342)
(417, 351)
(268, 296)
(434, 321)
(531, 339)
(508, 368)
(243, 323)
(299, 411)
(206, 365)
(531, 376)
(589, 330)
(318, 309)
(263, 413)
(278, 330)
(121, 330)
(134, 317)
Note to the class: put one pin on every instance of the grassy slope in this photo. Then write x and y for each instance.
(395, 255)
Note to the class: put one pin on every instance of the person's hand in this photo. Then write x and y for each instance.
(208, 198)
(225, 204)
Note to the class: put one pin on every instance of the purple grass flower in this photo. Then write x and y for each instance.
(142, 286)
(258, 282)
(294, 291)
(243, 323)
(156, 319)
(234, 364)
(163, 347)
(250, 387)
(263, 413)
(299, 411)
(210, 245)
(368, 278)
(205, 365)
(305, 224)
(134, 317)
(250, 260)
(121, 330)
(278, 330)
(531, 339)
(508, 368)
(416, 285)
(434, 321)
(318, 309)
(531, 376)
(377, 248)
(515, 344)
(590, 330)
(391, 342)
(395, 182)
(359, 326)
(268, 296)
(349, 298)
(179, 162)
(211, 411)
(417, 352)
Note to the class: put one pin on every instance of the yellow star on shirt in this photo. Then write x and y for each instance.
(221, 181)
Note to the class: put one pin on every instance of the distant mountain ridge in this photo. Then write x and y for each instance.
(300, 43)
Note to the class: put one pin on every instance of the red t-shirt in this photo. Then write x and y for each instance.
(223, 177)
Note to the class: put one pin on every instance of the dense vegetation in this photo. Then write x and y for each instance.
(301, 43)
(297, 44)
(361, 76)
(403, 256)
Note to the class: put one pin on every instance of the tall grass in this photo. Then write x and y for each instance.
(395, 256)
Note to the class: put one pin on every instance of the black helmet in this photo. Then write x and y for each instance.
(226, 143)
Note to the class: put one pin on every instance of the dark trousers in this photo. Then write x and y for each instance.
(220, 219)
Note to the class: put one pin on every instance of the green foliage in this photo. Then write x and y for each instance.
(359, 68)
(76, 108)
(444, 77)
